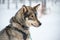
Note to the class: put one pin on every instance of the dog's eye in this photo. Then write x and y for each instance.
(32, 16)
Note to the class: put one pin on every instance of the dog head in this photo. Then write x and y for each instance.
(27, 16)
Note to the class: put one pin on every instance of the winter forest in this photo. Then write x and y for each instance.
(16, 3)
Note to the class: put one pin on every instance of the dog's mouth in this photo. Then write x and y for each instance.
(33, 25)
(36, 25)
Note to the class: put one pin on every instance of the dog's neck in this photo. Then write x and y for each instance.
(25, 27)
(19, 26)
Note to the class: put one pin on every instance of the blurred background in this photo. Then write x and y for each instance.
(48, 14)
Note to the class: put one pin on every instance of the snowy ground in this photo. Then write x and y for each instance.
(50, 28)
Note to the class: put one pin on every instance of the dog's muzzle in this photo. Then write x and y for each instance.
(39, 24)
(36, 24)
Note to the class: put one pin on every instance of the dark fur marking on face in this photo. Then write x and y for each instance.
(27, 14)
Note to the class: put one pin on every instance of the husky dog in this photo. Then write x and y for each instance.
(18, 29)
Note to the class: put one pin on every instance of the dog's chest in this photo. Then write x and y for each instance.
(20, 36)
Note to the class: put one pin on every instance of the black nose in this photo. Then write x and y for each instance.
(39, 23)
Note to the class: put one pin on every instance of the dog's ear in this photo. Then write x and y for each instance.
(36, 7)
(24, 8)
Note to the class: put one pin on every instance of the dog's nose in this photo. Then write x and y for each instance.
(39, 23)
